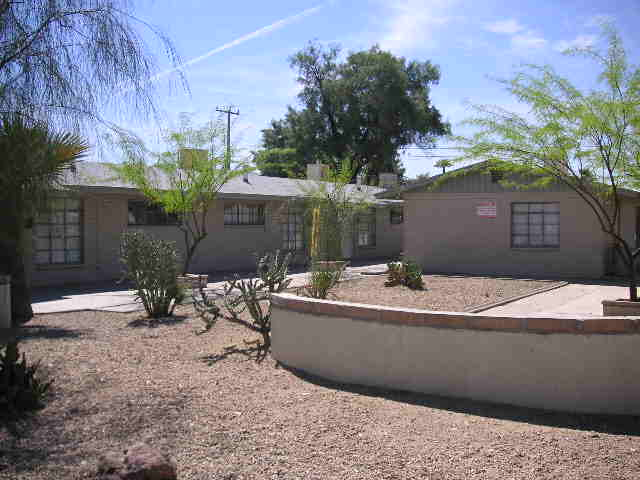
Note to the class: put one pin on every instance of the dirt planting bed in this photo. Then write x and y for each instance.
(223, 416)
(453, 293)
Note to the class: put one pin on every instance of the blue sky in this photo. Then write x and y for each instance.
(245, 47)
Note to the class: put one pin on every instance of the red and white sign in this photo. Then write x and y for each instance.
(486, 209)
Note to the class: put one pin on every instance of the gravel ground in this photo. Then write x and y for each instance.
(451, 293)
(119, 381)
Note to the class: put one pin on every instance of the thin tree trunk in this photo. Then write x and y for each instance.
(633, 286)
(191, 250)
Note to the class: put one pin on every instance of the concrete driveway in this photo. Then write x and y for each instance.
(574, 298)
(110, 297)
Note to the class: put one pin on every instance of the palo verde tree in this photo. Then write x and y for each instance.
(185, 179)
(367, 106)
(65, 61)
(62, 64)
(588, 141)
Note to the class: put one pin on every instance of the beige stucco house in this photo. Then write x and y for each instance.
(78, 241)
(473, 224)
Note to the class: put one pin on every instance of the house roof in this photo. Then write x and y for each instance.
(100, 176)
(397, 192)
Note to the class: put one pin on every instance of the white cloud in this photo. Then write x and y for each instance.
(581, 41)
(508, 27)
(527, 41)
(412, 23)
(521, 37)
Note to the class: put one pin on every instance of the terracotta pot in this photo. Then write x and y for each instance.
(619, 308)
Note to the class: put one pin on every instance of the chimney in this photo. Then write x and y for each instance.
(388, 180)
(187, 155)
(315, 171)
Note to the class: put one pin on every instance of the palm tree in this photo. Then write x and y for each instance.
(33, 159)
(443, 164)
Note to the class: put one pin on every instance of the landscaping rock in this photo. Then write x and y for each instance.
(139, 462)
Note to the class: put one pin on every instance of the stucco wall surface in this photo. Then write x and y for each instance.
(567, 364)
(226, 247)
(445, 233)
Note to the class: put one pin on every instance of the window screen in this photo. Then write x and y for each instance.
(293, 231)
(144, 213)
(366, 229)
(396, 215)
(535, 225)
(243, 214)
(58, 233)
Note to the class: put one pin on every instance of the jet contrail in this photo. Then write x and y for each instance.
(249, 36)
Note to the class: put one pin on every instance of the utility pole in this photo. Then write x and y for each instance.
(229, 111)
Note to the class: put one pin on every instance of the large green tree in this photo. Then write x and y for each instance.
(588, 141)
(63, 63)
(366, 107)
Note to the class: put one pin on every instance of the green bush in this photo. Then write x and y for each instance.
(152, 266)
(407, 273)
(22, 386)
(322, 281)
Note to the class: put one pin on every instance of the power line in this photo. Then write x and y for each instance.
(229, 111)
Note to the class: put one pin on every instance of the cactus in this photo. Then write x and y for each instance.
(273, 270)
(252, 296)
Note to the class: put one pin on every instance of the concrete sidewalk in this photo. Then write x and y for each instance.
(108, 298)
(574, 298)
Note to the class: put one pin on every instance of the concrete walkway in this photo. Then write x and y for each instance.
(107, 297)
(572, 299)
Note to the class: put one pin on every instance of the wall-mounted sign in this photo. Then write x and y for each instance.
(486, 209)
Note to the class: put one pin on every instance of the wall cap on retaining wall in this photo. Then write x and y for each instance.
(528, 323)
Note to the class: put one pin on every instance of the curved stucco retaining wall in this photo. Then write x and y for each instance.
(578, 364)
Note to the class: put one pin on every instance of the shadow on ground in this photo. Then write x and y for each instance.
(38, 439)
(35, 332)
(609, 424)
(156, 322)
(254, 352)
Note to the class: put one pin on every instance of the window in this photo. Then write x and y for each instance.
(366, 229)
(144, 213)
(535, 225)
(293, 231)
(396, 215)
(58, 233)
(243, 214)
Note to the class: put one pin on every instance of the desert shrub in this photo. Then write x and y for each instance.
(152, 266)
(322, 281)
(407, 273)
(252, 296)
(22, 385)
